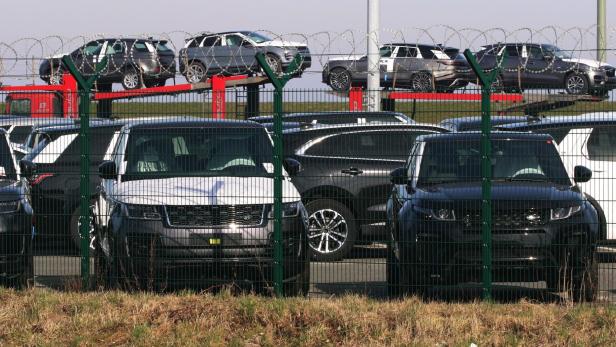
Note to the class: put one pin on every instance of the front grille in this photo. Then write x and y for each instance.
(305, 53)
(519, 218)
(215, 216)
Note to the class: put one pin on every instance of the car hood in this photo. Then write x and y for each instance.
(589, 62)
(202, 191)
(510, 195)
(280, 43)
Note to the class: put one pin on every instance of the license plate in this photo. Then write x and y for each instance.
(215, 240)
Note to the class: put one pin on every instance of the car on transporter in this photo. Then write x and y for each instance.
(473, 123)
(543, 227)
(590, 140)
(190, 202)
(234, 52)
(16, 262)
(544, 66)
(344, 180)
(418, 67)
(133, 62)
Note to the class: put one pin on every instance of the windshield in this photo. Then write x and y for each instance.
(256, 37)
(165, 153)
(161, 47)
(512, 160)
(385, 52)
(557, 52)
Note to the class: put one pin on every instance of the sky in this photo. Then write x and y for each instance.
(319, 19)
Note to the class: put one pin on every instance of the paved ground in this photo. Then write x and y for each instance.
(363, 273)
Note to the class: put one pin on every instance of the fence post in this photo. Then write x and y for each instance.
(486, 171)
(278, 82)
(85, 90)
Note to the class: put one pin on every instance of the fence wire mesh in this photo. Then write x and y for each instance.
(181, 177)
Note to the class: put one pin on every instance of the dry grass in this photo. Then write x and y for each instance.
(42, 317)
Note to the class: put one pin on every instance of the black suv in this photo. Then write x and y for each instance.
(530, 65)
(53, 168)
(542, 226)
(132, 62)
(344, 179)
(15, 222)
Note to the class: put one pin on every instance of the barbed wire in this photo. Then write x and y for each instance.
(151, 58)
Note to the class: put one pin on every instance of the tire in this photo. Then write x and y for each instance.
(74, 229)
(300, 286)
(576, 84)
(274, 63)
(340, 79)
(601, 216)
(322, 232)
(131, 79)
(498, 85)
(422, 82)
(195, 72)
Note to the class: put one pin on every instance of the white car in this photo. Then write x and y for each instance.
(589, 140)
(192, 200)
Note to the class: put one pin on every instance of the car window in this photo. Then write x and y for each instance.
(602, 144)
(386, 51)
(20, 107)
(234, 40)
(49, 149)
(20, 133)
(161, 47)
(93, 48)
(406, 52)
(211, 41)
(513, 50)
(114, 47)
(367, 145)
(535, 52)
(140, 47)
(195, 42)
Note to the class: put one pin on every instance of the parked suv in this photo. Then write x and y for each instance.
(55, 183)
(543, 228)
(589, 140)
(16, 267)
(183, 201)
(531, 65)
(418, 67)
(233, 52)
(344, 179)
(132, 62)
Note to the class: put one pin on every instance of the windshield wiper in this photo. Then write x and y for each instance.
(514, 179)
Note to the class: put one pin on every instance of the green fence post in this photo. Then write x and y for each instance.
(486, 171)
(279, 82)
(84, 89)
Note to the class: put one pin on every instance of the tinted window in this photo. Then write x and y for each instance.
(140, 47)
(20, 107)
(386, 51)
(234, 40)
(195, 42)
(460, 161)
(602, 144)
(535, 52)
(406, 52)
(114, 47)
(20, 134)
(6, 161)
(211, 41)
(93, 48)
(513, 51)
(393, 145)
(162, 47)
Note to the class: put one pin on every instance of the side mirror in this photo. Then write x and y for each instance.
(292, 166)
(107, 170)
(27, 168)
(581, 174)
(398, 176)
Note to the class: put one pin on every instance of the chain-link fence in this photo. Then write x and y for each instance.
(235, 180)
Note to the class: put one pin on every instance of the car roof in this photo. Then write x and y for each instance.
(325, 128)
(192, 122)
(574, 121)
(22, 120)
(350, 114)
(475, 121)
(419, 45)
(476, 135)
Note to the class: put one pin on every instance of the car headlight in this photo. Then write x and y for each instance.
(564, 212)
(290, 209)
(439, 214)
(142, 212)
(288, 54)
(9, 206)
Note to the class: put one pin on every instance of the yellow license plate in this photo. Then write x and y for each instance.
(215, 241)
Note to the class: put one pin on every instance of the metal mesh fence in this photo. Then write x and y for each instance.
(197, 186)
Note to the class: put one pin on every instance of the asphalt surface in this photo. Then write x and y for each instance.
(363, 273)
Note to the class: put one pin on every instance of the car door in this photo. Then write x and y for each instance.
(115, 51)
(599, 155)
(86, 57)
(213, 55)
(241, 54)
(406, 62)
(539, 72)
(386, 62)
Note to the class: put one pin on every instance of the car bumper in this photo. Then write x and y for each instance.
(446, 249)
(599, 80)
(181, 254)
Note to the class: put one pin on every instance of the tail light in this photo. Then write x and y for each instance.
(39, 178)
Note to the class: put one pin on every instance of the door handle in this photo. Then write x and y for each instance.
(353, 171)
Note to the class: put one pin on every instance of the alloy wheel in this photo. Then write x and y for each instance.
(195, 73)
(340, 80)
(422, 82)
(131, 80)
(328, 231)
(576, 84)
